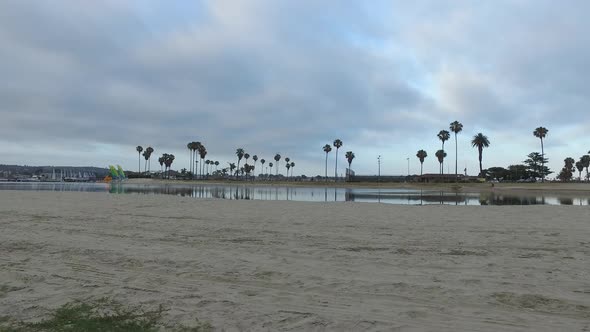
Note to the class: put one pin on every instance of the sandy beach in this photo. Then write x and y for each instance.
(282, 266)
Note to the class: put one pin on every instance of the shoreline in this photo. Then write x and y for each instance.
(459, 187)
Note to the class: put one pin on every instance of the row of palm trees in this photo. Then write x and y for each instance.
(349, 157)
(479, 141)
(147, 154)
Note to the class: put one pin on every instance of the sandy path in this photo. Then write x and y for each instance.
(256, 265)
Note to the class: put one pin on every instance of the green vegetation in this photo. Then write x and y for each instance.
(100, 315)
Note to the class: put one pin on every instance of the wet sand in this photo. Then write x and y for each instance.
(260, 265)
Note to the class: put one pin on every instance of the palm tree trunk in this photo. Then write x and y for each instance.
(326, 175)
(421, 164)
(139, 163)
(480, 167)
(336, 167)
(442, 164)
(542, 162)
(348, 172)
(456, 158)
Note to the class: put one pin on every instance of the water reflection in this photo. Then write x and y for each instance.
(313, 194)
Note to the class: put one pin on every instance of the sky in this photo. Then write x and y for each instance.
(85, 82)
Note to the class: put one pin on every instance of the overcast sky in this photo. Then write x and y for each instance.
(85, 82)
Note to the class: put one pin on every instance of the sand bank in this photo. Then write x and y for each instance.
(259, 265)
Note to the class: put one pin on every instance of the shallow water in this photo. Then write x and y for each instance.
(309, 194)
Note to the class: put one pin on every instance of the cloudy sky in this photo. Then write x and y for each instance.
(84, 82)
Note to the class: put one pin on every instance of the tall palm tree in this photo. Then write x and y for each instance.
(480, 141)
(240, 153)
(197, 147)
(149, 150)
(277, 158)
(164, 158)
(262, 161)
(168, 162)
(287, 166)
(139, 148)
(541, 132)
(456, 127)
(349, 157)
(421, 154)
(190, 148)
(145, 156)
(327, 149)
(255, 158)
(292, 166)
(161, 161)
(202, 154)
(246, 156)
(337, 145)
(270, 165)
(216, 165)
(580, 168)
(440, 155)
(586, 163)
(444, 136)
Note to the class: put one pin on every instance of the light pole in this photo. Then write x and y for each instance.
(408, 159)
(379, 168)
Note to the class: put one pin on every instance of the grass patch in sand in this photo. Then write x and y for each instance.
(100, 315)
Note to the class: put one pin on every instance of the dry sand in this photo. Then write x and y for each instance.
(256, 265)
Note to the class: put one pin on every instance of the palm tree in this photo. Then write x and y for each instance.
(216, 165)
(327, 148)
(441, 154)
(287, 166)
(190, 148)
(147, 155)
(456, 127)
(277, 158)
(586, 163)
(149, 150)
(262, 161)
(443, 135)
(421, 154)
(161, 161)
(541, 132)
(270, 165)
(246, 156)
(349, 157)
(255, 158)
(232, 166)
(337, 145)
(480, 141)
(207, 162)
(292, 166)
(168, 162)
(197, 147)
(139, 148)
(580, 167)
(240, 153)
(202, 154)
